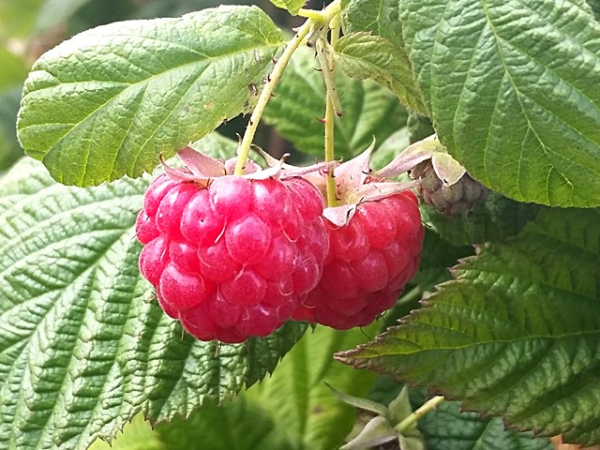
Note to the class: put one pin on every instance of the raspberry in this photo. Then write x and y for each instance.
(452, 199)
(369, 262)
(235, 257)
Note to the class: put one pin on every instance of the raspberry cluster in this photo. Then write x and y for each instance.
(369, 262)
(233, 258)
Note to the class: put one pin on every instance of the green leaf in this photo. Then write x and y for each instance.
(216, 145)
(512, 89)
(293, 6)
(110, 101)
(14, 69)
(10, 150)
(496, 219)
(17, 18)
(380, 18)
(241, 424)
(137, 435)
(516, 334)
(297, 394)
(83, 344)
(370, 110)
(362, 55)
(447, 428)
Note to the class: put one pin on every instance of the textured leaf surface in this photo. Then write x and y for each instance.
(495, 219)
(363, 55)
(512, 89)
(298, 397)
(516, 334)
(83, 344)
(380, 18)
(109, 101)
(447, 428)
(370, 110)
(293, 6)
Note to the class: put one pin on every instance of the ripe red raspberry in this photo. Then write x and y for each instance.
(234, 259)
(369, 262)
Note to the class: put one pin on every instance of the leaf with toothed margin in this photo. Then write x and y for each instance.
(512, 87)
(83, 344)
(516, 334)
(111, 100)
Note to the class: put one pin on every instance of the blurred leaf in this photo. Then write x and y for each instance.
(370, 110)
(240, 424)
(17, 17)
(14, 69)
(293, 6)
(137, 435)
(299, 399)
(112, 99)
(10, 150)
(55, 12)
(515, 334)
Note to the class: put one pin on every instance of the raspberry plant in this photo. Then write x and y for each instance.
(141, 280)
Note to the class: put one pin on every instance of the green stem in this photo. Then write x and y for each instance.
(332, 108)
(317, 19)
(420, 412)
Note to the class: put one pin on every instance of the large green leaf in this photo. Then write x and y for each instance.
(516, 334)
(370, 110)
(298, 398)
(110, 101)
(513, 91)
(83, 344)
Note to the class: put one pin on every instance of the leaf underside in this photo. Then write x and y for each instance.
(83, 344)
(517, 334)
(111, 100)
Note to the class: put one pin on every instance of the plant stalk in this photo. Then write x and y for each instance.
(317, 19)
(420, 412)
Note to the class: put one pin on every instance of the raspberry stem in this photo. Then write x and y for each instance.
(316, 19)
(332, 108)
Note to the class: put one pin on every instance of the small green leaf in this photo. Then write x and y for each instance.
(110, 101)
(363, 55)
(380, 18)
(516, 334)
(293, 6)
(300, 400)
(512, 90)
(370, 110)
(84, 346)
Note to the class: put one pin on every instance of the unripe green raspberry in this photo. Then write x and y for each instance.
(452, 200)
